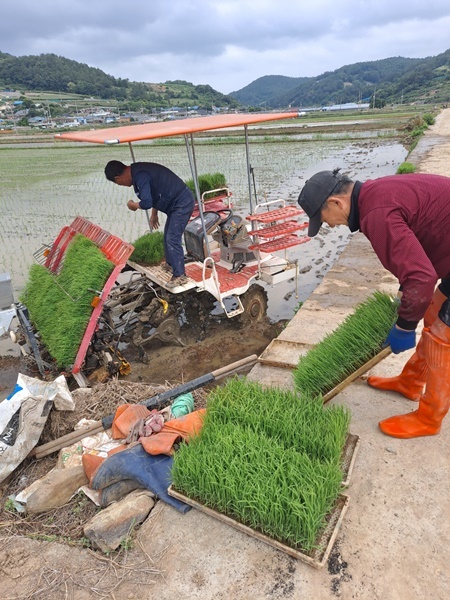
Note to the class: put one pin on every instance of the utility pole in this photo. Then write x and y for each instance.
(374, 96)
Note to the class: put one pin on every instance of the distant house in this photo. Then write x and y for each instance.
(36, 121)
(71, 124)
(346, 106)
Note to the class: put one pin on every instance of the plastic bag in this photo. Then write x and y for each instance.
(55, 390)
(182, 405)
(23, 415)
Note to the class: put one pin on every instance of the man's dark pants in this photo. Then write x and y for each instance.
(176, 222)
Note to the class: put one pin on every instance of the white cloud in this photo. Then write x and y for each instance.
(224, 43)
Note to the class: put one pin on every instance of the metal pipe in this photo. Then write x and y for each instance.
(146, 211)
(193, 164)
(132, 151)
(249, 168)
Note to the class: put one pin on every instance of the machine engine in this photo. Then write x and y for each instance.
(229, 232)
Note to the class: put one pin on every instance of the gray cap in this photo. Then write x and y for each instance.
(314, 193)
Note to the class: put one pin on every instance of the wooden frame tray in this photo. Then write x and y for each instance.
(283, 354)
(316, 558)
(349, 457)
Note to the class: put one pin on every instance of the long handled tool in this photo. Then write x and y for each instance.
(158, 402)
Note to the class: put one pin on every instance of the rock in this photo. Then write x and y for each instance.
(108, 528)
(56, 489)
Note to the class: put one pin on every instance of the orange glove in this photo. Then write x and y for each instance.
(185, 427)
(126, 417)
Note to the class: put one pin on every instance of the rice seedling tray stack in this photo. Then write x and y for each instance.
(270, 463)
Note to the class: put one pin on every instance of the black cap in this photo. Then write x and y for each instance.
(314, 193)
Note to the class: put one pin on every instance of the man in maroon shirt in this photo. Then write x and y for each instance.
(407, 220)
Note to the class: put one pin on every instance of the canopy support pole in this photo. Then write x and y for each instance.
(249, 169)
(193, 164)
(146, 211)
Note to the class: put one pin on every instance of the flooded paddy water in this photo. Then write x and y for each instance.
(45, 186)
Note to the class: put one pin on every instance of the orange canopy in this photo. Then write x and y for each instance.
(148, 131)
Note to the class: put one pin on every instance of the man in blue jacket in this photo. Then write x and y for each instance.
(158, 188)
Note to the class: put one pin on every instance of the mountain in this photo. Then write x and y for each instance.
(390, 80)
(48, 72)
(264, 89)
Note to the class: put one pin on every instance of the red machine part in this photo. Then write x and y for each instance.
(116, 251)
(279, 235)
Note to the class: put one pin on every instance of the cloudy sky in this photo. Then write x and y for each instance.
(224, 43)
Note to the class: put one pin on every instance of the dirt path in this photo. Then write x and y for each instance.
(45, 569)
(433, 155)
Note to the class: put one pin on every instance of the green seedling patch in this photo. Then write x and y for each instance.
(60, 305)
(358, 339)
(209, 181)
(149, 249)
(268, 459)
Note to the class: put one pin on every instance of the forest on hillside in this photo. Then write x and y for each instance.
(388, 81)
(48, 72)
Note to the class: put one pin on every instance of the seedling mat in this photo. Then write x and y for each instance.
(316, 558)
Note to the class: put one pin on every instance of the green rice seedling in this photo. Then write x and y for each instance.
(250, 477)
(60, 306)
(149, 249)
(209, 181)
(294, 421)
(352, 344)
(405, 167)
(267, 458)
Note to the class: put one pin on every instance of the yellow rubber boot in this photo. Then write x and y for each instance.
(435, 402)
(411, 381)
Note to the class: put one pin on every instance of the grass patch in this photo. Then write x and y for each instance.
(405, 167)
(209, 181)
(60, 306)
(351, 345)
(149, 249)
(256, 464)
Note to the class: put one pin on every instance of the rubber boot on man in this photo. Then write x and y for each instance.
(412, 379)
(434, 403)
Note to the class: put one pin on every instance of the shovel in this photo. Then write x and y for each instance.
(158, 402)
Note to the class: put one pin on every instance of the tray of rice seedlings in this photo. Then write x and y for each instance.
(208, 181)
(285, 417)
(149, 249)
(269, 463)
(60, 305)
(350, 346)
(239, 401)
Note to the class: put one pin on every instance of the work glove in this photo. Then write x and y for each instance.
(185, 428)
(400, 339)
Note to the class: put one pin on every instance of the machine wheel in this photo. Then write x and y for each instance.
(255, 304)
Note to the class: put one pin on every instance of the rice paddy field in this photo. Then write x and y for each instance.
(44, 186)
